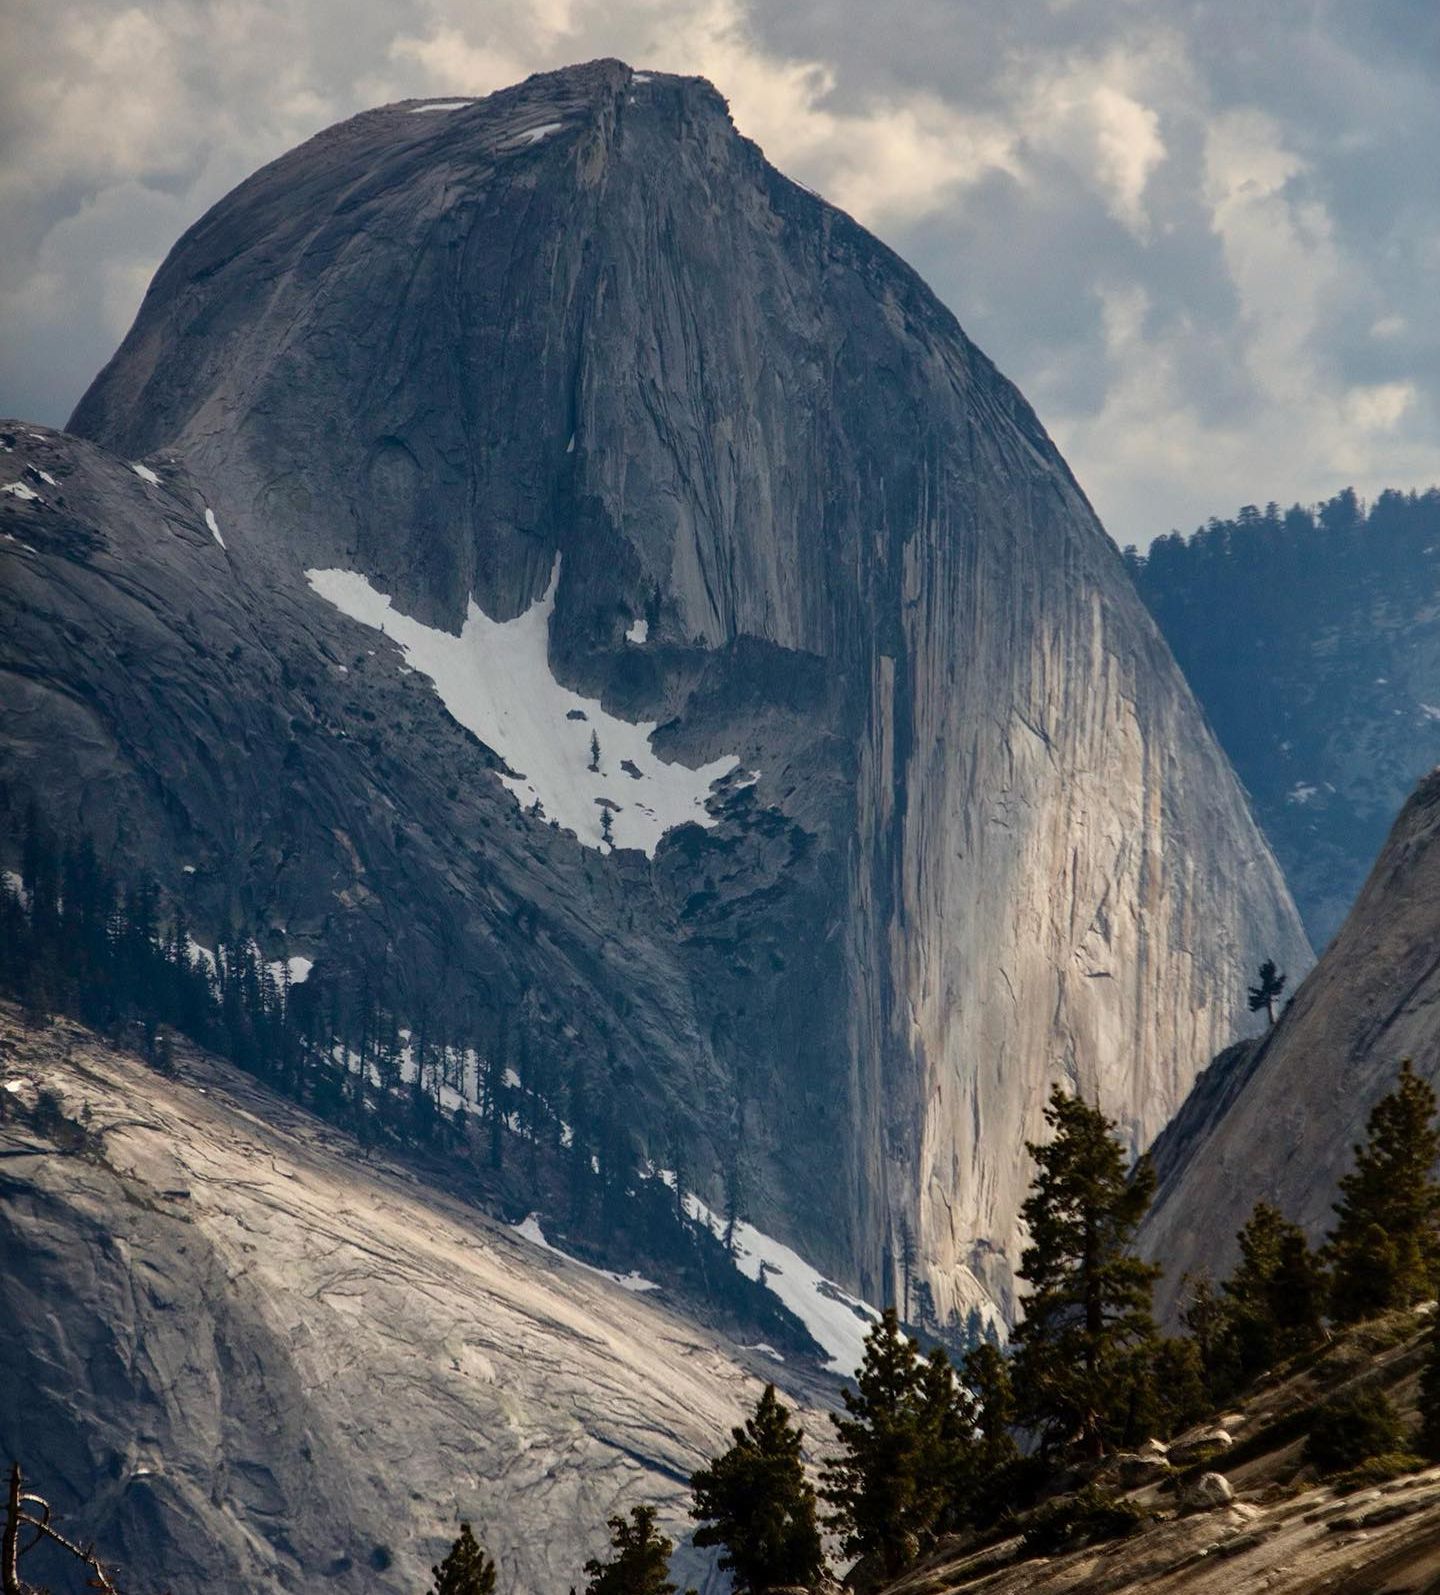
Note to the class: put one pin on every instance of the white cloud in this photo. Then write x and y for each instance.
(1091, 114)
(1209, 268)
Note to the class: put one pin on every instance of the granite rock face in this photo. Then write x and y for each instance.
(1278, 1120)
(245, 1359)
(978, 837)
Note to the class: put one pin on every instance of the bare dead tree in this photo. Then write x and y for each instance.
(27, 1514)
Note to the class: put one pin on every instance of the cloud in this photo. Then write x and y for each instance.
(1209, 267)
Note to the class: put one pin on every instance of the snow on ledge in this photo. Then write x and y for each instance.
(145, 474)
(534, 135)
(639, 632)
(529, 1230)
(495, 680)
(837, 1321)
(440, 105)
(297, 966)
(214, 528)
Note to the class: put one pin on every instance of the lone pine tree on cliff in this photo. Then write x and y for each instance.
(1084, 1346)
(1266, 991)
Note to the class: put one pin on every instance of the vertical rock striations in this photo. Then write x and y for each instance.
(801, 522)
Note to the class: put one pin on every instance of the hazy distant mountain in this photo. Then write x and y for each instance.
(1312, 639)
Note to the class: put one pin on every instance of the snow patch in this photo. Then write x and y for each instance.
(1430, 711)
(299, 969)
(214, 529)
(1301, 792)
(440, 105)
(838, 1321)
(529, 1230)
(20, 490)
(145, 474)
(638, 632)
(495, 680)
(641, 77)
(535, 134)
(45, 476)
(766, 1351)
(203, 954)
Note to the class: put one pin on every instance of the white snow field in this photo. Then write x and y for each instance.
(214, 527)
(145, 474)
(838, 1321)
(495, 680)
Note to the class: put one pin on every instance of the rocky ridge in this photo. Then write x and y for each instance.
(1278, 1120)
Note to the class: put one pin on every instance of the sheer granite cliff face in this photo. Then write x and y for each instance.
(1279, 1121)
(801, 522)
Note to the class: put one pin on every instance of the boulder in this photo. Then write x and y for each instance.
(1209, 1491)
(1193, 1448)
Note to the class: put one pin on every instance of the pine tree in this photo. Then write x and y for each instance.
(1274, 1300)
(907, 1267)
(1205, 1316)
(950, 1471)
(756, 1502)
(466, 1570)
(882, 1506)
(1385, 1247)
(594, 750)
(988, 1377)
(1179, 1392)
(1080, 1363)
(1267, 988)
(640, 1559)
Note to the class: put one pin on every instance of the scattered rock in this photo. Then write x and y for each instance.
(1195, 1448)
(1209, 1491)
(1131, 1470)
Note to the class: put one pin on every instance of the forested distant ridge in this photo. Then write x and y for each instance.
(1311, 637)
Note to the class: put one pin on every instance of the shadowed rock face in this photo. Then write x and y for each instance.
(1279, 1121)
(991, 842)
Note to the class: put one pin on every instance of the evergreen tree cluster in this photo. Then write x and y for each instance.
(1301, 631)
(1323, 559)
(1382, 1253)
(489, 1088)
(928, 1449)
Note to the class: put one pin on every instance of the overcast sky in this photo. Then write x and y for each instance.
(1203, 237)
